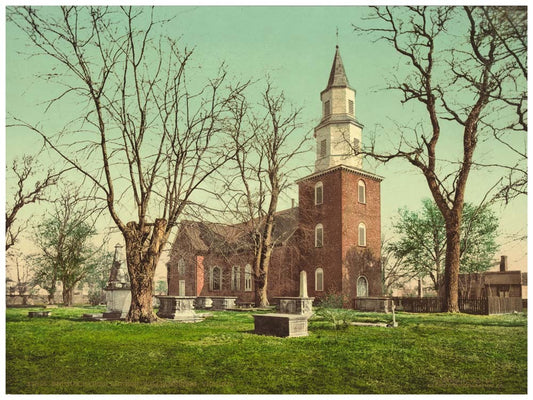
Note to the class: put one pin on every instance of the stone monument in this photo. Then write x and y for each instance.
(118, 289)
(301, 305)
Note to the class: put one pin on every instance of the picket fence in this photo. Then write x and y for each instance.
(480, 306)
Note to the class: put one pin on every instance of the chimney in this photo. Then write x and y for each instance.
(503, 264)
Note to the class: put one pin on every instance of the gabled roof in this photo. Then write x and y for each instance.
(337, 76)
(204, 236)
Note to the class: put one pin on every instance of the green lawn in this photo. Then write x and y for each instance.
(427, 353)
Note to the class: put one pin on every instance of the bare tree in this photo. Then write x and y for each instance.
(24, 170)
(150, 136)
(266, 142)
(475, 83)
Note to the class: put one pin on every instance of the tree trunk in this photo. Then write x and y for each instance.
(68, 294)
(142, 255)
(261, 284)
(451, 271)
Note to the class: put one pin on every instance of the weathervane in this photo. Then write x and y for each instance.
(337, 36)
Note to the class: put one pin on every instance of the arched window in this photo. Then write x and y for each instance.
(319, 235)
(248, 278)
(362, 234)
(319, 279)
(362, 287)
(236, 278)
(181, 266)
(319, 193)
(361, 192)
(215, 280)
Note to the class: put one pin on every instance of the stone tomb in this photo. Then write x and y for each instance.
(223, 302)
(291, 321)
(178, 308)
(283, 325)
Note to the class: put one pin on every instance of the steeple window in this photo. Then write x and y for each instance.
(327, 108)
(350, 107)
(323, 148)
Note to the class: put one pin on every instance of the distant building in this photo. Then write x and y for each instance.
(334, 234)
(503, 283)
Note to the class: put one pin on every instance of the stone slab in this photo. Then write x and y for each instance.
(38, 314)
(281, 325)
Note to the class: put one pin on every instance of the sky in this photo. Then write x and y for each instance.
(294, 46)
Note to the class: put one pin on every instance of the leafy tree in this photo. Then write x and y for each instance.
(66, 252)
(465, 69)
(422, 242)
(152, 131)
(395, 273)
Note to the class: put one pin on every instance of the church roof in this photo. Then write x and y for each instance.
(214, 237)
(337, 76)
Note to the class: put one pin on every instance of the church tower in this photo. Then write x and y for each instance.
(339, 204)
(338, 132)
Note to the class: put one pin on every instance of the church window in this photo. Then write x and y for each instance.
(362, 287)
(361, 193)
(356, 145)
(319, 279)
(323, 148)
(215, 280)
(248, 278)
(362, 234)
(327, 108)
(319, 193)
(236, 278)
(350, 107)
(319, 235)
(181, 266)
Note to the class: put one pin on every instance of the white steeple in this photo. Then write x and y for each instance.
(338, 131)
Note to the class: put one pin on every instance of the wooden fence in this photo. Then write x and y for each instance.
(480, 306)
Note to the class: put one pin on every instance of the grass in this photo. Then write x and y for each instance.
(427, 353)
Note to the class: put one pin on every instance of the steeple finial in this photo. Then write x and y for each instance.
(337, 37)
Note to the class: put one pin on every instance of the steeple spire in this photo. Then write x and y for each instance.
(337, 76)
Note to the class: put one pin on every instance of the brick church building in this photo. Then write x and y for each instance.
(334, 234)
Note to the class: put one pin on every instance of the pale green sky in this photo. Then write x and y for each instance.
(295, 47)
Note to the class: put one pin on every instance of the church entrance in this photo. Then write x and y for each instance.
(362, 287)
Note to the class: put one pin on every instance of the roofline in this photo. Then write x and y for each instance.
(343, 167)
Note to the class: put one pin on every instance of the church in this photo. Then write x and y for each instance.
(334, 234)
